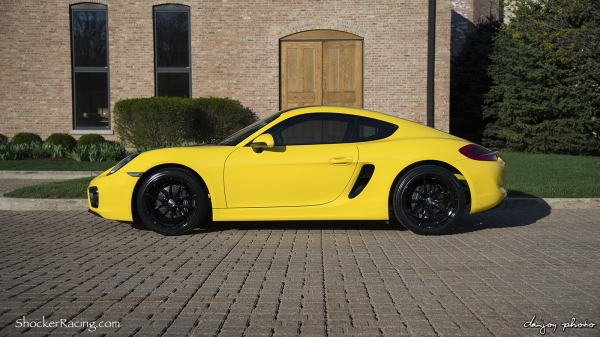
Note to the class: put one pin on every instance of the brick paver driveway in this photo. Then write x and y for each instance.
(489, 278)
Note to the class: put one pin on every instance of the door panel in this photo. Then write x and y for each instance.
(293, 175)
(342, 73)
(301, 74)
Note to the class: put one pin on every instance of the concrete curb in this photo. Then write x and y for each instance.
(554, 203)
(59, 175)
(24, 204)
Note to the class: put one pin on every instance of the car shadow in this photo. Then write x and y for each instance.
(511, 213)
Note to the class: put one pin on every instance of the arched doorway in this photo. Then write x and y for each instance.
(321, 67)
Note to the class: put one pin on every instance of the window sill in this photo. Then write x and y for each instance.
(86, 132)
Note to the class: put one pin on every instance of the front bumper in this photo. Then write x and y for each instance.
(111, 196)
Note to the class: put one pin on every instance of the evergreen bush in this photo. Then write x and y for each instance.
(545, 70)
(3, 138)
(26, 138)
(90, 139)
(65, 140)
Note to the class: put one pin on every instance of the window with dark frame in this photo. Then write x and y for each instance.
(172, 51)
(89, 45)
(329, 128)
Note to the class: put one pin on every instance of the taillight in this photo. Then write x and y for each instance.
(477, 152)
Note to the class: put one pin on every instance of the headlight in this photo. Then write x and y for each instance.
(122, 163)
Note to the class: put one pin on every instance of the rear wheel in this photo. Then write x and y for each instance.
(429, 200)
(172, 201)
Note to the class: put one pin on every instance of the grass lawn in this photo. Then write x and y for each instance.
(59, 164)
(552, 176)
(68, 189)
(528, 175)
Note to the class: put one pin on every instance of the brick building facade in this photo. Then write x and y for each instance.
(235, 51)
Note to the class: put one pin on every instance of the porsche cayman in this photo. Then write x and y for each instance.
(307, 163)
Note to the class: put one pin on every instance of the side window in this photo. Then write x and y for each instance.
(319, 128)
(172, 50)
(372, 129)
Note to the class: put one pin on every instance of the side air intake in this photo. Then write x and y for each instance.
(366, 172)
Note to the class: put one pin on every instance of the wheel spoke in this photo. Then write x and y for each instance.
(180, 189)
(414, 191)
(437, 221)
(160, 217)
(155, 198)
(156, 208)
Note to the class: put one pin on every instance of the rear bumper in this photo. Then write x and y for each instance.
(487, 181)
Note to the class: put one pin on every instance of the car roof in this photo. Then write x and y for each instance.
(341, 109)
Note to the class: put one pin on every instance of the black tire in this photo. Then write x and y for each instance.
(172, 201)
(429, 200)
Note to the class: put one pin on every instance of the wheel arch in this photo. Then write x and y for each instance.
(134, 211)
(442, 164)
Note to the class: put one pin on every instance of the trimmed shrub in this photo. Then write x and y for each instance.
(221, 117)
(26, 138)
(62, 139)
(157, 122)
(3, 138)
(90, 139)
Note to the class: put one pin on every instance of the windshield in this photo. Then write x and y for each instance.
(244, 133)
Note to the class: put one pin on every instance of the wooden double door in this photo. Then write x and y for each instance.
(326, 72)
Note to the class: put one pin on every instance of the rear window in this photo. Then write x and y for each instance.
(372, 129)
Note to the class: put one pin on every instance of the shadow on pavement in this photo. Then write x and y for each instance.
(509, 214)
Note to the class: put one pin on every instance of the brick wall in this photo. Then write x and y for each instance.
(235, 53)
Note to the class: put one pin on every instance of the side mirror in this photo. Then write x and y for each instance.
(264, 141)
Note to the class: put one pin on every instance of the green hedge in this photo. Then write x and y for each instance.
(3, 138)
(158, 122)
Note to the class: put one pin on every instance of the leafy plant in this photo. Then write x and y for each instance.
(40, 150)
(108, 151)
(57, 151)
(3, 138)
(12, 151)
(26, 138)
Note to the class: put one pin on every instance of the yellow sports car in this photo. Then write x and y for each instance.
(308, 163)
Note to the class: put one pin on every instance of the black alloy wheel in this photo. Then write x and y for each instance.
(172, 201)
(429, 200)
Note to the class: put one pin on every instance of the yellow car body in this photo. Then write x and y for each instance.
(305, 182)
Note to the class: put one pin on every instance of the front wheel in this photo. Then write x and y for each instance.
(172, 201)
(429, 200)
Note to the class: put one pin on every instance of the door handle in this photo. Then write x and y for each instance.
(341, 160)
